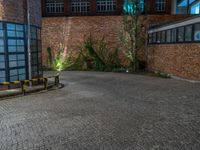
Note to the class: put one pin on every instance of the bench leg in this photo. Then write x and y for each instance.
(45, 83)
(22, 87)
(57, 81)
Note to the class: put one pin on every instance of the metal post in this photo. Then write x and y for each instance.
(29, 42)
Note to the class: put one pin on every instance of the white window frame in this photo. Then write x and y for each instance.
(160, 5)
(80, 6)
(55, 6)
(106, 5)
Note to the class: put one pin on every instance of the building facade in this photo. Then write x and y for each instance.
(13, 39)
(175, 48)
(67, 22)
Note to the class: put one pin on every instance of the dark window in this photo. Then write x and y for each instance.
(163, 37)
(80, 6)
(188, 33)
(106, 5)
(158, 37)
(160, 5)
(55, 6)
(181, 34)
(197, 32)
(168, 36)
(174, 35)
(154, 37)
(150, 38)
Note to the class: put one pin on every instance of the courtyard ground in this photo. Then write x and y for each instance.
(104, 111)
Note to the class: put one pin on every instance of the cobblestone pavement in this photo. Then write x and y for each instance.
(104, 111)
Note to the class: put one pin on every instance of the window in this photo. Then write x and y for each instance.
(160, 5)
(158, 37)
(150, 38)
(181, 34)
(163, 37)
(197, 32)
(188, 33)
(55, 6)
(15, 30)
(174, 36)
(177, 34)
(168, 36)
(106, 5)
(188, 7)
(80, 6)
(13, 53)
(154, 38)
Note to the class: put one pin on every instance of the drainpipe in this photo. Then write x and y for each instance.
(29, 42)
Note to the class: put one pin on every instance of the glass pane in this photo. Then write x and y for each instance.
(21, 71)
(1, 42)
(1, 25)
(21, 63)
(21, 57)
(20, 42)
(20, 48)
(13, 72)
(13, 64)
(1, 33)
(1, 49)
(11, 33)
(2, 79)
(2, 74)
(2, 58)
(168, 36)
(163, 37)
(20, 34)
(158, 37)
(12, 49)
(173, 35)
(19, 27)
(14, 78)
(188, 33)
(22, 77)
(2, 65)
(10, 26)
(181, 34)
(11, 42)
(197, 32)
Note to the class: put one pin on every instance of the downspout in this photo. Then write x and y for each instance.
(29, 42)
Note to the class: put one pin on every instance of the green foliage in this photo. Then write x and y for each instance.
(62, 61)
(130, 35)
(95, 55)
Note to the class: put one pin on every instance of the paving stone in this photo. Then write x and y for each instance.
(104, 111)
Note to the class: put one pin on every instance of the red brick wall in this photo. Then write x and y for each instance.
(70, 31)
(15, 11)
(181, 60)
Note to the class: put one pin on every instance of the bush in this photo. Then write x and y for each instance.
(95, 55)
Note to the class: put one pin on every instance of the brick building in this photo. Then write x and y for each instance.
(68, 21)
(13, 39)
